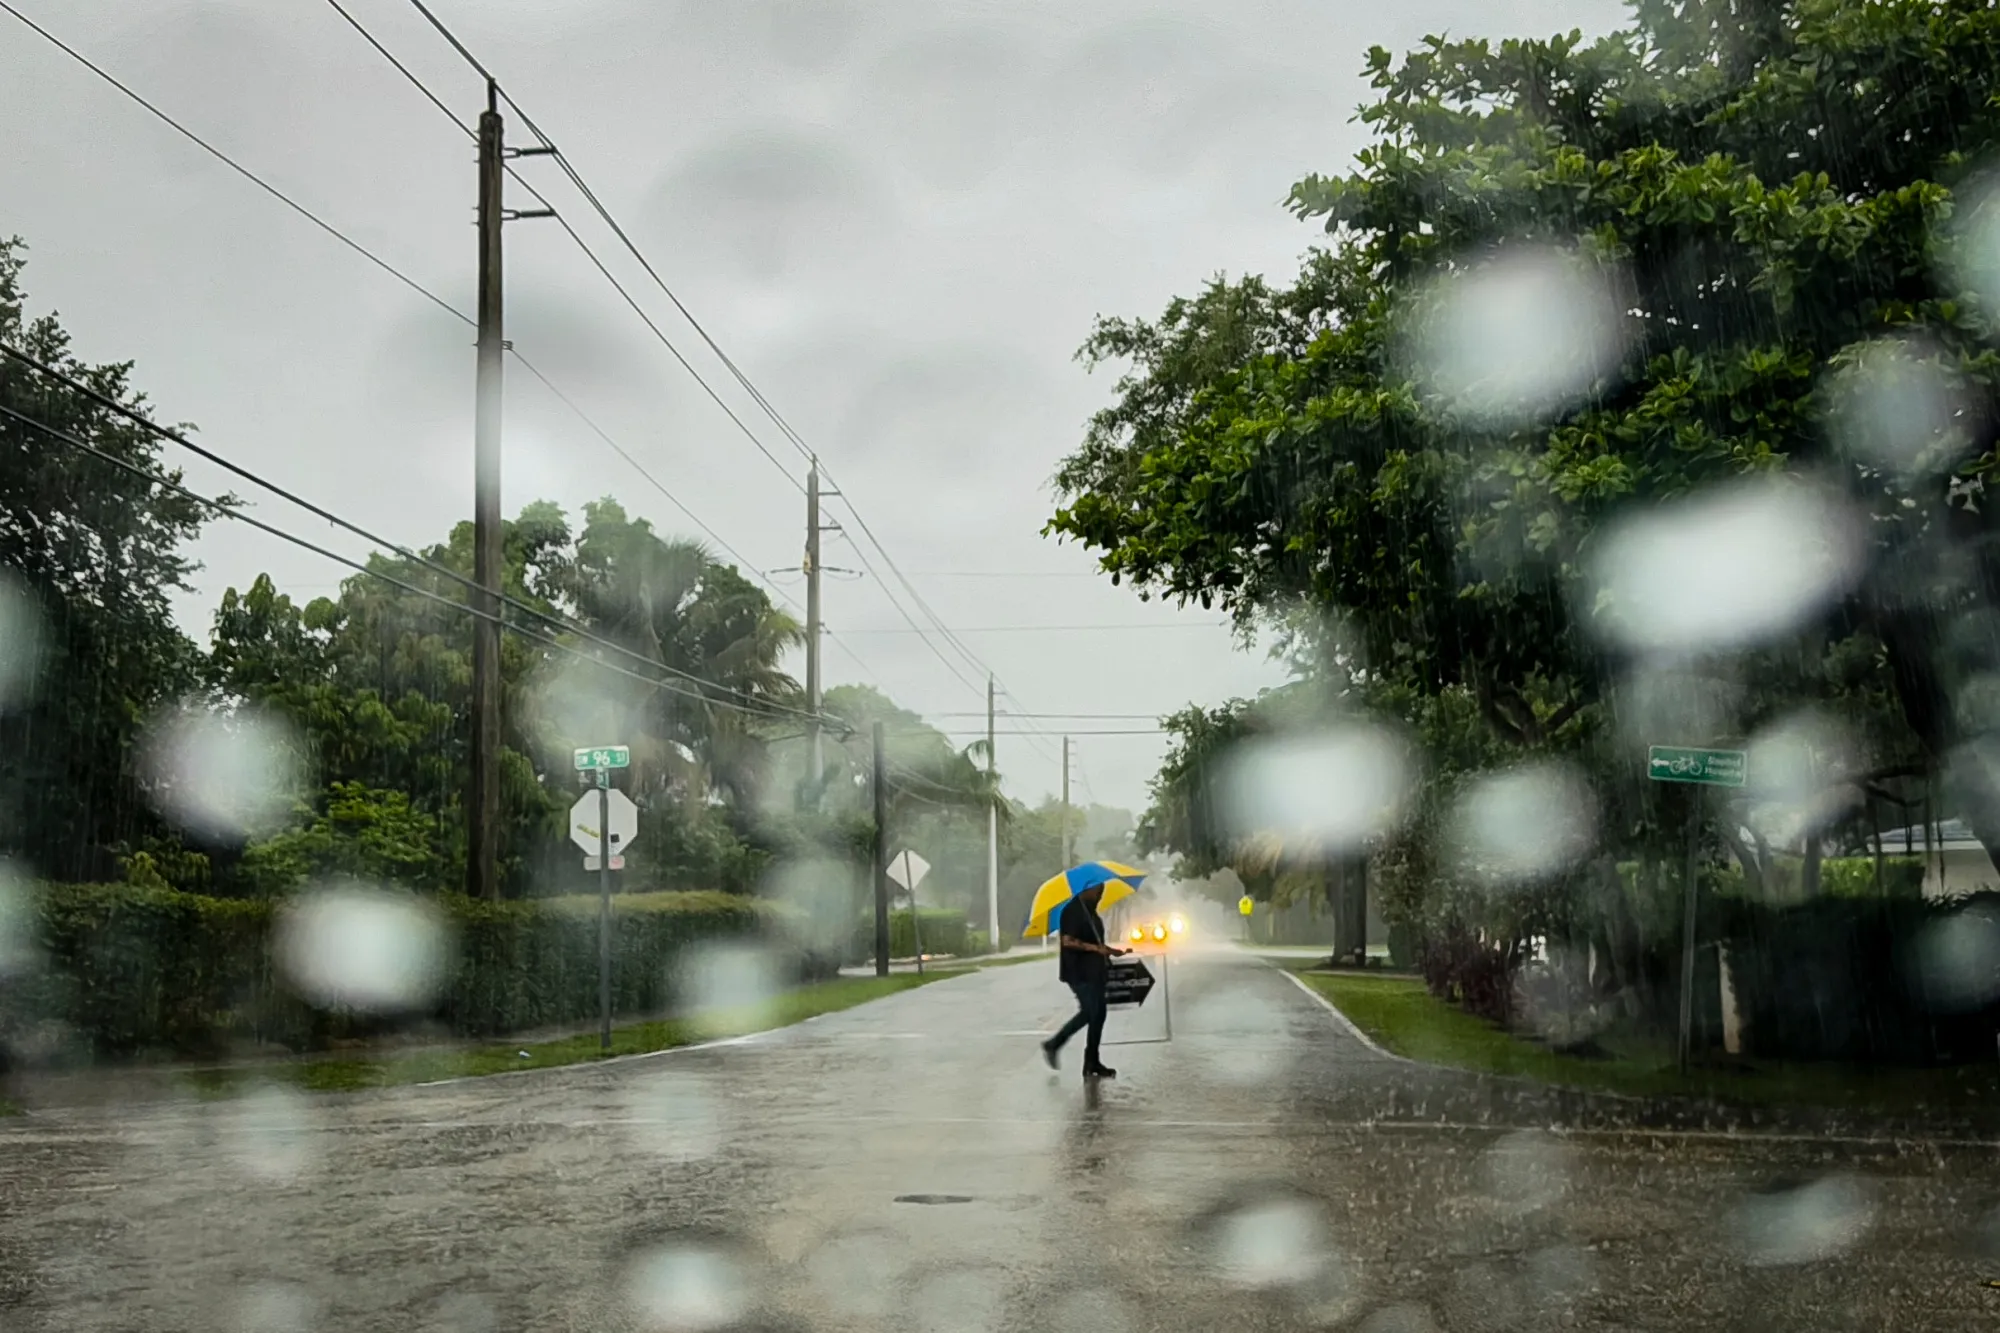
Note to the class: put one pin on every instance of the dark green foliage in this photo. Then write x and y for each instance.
(132, 969)
(944, 932)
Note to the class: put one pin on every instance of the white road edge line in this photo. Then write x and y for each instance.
(1345, 1022)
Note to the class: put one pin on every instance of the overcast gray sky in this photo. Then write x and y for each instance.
(898, 217)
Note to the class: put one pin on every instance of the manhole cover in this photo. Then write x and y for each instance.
(933, 1198)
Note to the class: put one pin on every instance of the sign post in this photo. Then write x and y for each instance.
(598, 761)
(908, 870)
(1244, 907)
(1700, 768)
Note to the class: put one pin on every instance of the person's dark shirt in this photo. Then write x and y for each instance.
(1079, 921)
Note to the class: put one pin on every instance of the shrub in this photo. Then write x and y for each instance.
(127, 968)
(945, 932)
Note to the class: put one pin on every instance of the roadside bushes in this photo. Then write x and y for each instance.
(112, 969)
(944, 931)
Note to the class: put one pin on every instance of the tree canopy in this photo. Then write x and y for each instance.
(1571, 282)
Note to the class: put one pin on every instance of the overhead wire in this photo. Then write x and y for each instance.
(326, 515)
(231, 511)
(376, 260)
(798, 442)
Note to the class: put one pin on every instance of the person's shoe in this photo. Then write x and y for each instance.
(1049, 1056)
(1100, 1071)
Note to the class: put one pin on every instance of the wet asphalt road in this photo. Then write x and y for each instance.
(1263, 1170)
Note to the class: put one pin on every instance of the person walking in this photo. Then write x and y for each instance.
(1085, 967)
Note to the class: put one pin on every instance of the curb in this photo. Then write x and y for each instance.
(1346, 1023)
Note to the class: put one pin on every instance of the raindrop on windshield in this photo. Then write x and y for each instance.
(222, 775)
(1728, 568)
(1803, 1225)
(685, 1288)
(347, 945)
(1894, 403)
(731, 988)
(1526, 1172)
(1958, 958)
(1524, 824)
(1518, 336)
(1315, 793)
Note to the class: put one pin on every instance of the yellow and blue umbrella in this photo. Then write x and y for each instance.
(1119, 881)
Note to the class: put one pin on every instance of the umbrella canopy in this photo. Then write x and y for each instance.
(1120, 881)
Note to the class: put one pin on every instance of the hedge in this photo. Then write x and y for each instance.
(945, 932)
(126, 969)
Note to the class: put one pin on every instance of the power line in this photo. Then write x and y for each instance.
(1057, 629)
(323, 225)
(590, 196)
(230, 511)
(348, 525)
(240, 169)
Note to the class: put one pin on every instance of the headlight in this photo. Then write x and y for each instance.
(1138, 933)
(1177, 925)
(1159, 932)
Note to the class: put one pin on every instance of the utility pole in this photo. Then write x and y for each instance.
(881, 858)
(1068, 846)
(482, 851)
(482, 845)
(992, 830)
(816, 764)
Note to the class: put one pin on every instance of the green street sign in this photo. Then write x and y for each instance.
(1713, 768)
(601, 757)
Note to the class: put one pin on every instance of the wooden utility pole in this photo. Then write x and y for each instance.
(1068, 844)
(482, 850)
(992, 831)
(881, 858)
(816, 764)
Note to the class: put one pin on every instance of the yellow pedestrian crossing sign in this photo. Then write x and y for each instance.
(1244, 905)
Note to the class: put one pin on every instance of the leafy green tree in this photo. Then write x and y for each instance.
(360, 832)
(1769, 190)
(90, 555)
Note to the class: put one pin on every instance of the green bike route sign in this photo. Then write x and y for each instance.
(1711, 768)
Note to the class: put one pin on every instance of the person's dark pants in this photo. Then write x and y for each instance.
(1090, 1010)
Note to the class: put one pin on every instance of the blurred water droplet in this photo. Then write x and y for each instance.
(347, 945)
(1894, 403)
(20, 926)
(1398, 1319)
(1958, 958)
(1973, 249)
(21, 642)
(685, 1288)
(1798, 771)
(1526, 1172)
(1518, 336)
(1318, 794)
(731, 988)
(814, 897)
(268, 1134)
(222, 775)
(673, 1115)
(275, 1307)
(1275, 1242)
(1728, 568)
(1524, 824)
(1803, 1225)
